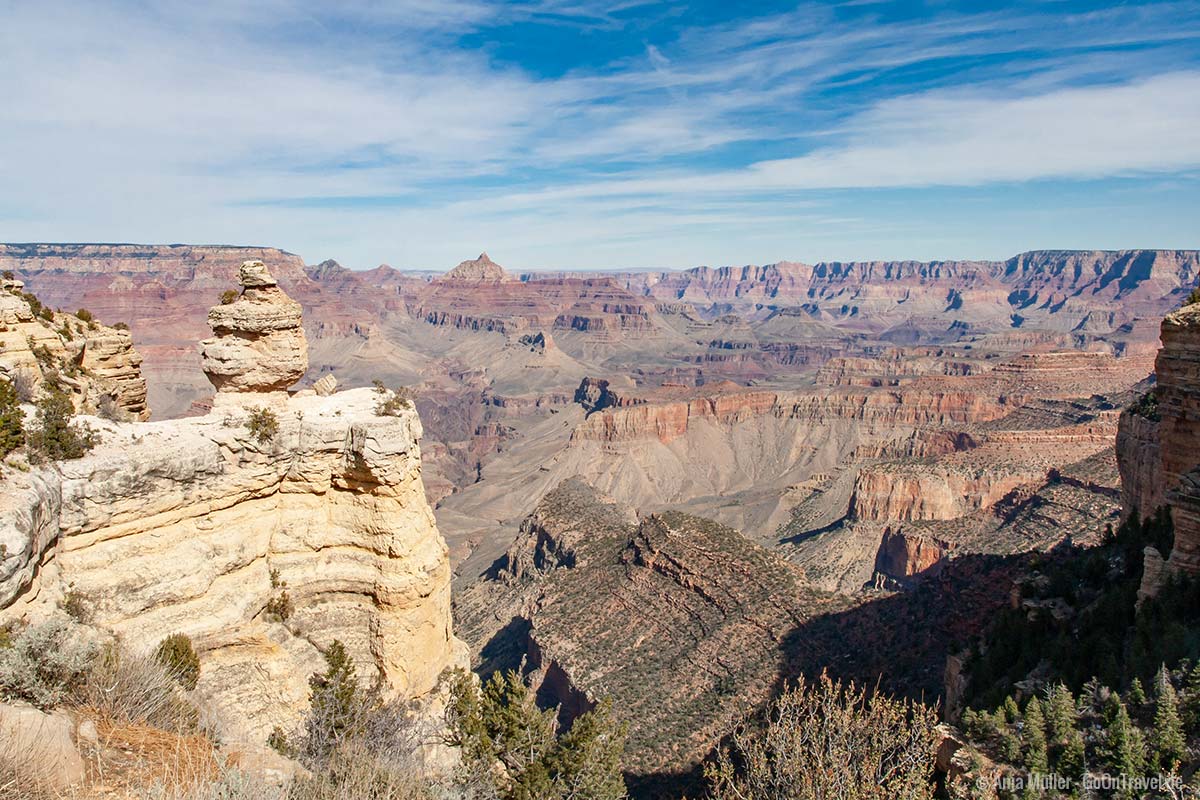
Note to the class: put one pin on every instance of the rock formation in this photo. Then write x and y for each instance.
(259, 343)
(479, 270)
(1159, 443)
(264, 546)
(96, 363)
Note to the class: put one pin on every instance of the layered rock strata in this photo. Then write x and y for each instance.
(264, 534)
(259, 343)
(96, 363)
(1159, 443)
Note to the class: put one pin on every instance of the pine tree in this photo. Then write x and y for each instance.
(587, 762)
(55, 439)
(1123, 751)
(1010, 746)
(335, 707)
(1060, 715)
(1011, 712)
(501, 722)
(1035, 738)
(1136, 694)
(1072, 761)
(1191, 700)
(12, 420)
(1168, 741)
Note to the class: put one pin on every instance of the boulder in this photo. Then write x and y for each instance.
(325, 386)
(264, 764)
(39, 747)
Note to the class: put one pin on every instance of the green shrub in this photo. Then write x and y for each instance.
(84, 315)
(35, 305)
(121, 326)
(45, 663)
(228, 296)
(12, 419)
(1193, 298)
(280, 606)
(56, 438)
(46, 314)
(1146, 406)
(262, 424)
(393, 401)
(179, 658)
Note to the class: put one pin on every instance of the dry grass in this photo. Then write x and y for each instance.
(135, 758)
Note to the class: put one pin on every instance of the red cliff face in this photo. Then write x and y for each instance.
(1139, 461)
(1037, 284)
(667, 419)
(1159, 442)
(903, 555)
(1178, 370)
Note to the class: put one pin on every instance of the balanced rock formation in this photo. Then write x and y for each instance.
(259, 343)
(264, 543)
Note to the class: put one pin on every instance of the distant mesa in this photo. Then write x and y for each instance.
(479, 270)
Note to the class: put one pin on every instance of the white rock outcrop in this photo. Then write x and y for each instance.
(264, 546)
(258, 343)
(97, 364)
(195, 526)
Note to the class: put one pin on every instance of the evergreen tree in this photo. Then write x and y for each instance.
(1123, 749)
(12, 420)
(1011, 712)
(1010, 746)
(334, 702)
(1035, 738)
(1072, 760)
(1136, 694)
(587, 762)
(55, 439)
(1168, 741)
(501, 723)
(1060, 715)
(1191, 700)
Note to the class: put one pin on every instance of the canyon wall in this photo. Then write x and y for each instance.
(1178, 391)
(1159, 442)
(264, 546)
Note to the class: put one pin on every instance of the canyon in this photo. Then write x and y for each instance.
(706, 480)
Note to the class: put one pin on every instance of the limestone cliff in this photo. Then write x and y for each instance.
(203, 526)
(96, 363)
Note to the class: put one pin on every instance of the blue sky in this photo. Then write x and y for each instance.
(582, 134)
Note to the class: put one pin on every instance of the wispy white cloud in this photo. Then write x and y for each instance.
(210, 121)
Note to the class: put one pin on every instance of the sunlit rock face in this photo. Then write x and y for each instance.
(258, 342)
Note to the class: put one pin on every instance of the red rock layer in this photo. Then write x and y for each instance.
(1178, 370)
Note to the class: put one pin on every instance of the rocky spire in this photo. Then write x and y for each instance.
(259, 343)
